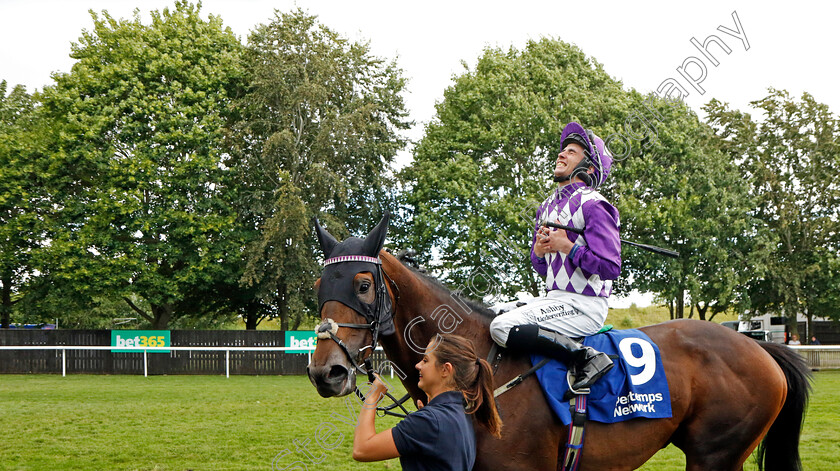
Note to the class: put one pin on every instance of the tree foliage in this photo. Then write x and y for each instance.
(173, 175)
(320, 127)
(21, 194)
(684, 193)
(792, 156)
(143, 188)
(486, 160)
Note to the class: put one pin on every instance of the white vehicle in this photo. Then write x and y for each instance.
(774, 328)
(768, 328)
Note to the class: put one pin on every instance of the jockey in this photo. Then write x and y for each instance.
(578, 270)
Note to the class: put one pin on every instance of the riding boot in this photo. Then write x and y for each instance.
(589, 364)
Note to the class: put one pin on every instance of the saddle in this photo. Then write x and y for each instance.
(636, 387)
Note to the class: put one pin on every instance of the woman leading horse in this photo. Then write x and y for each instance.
(439, 436)
(728, 392)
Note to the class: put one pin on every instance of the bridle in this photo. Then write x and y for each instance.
(328, 328)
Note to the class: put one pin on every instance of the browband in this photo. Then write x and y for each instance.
(352, 258)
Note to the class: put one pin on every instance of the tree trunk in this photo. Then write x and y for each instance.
(252, 316)
(6, 303)
(680, 303)
(808, 328)
(671, 308)
(534, 288)
(162, 314)
(251, 321)
(690, 310)
(283, 307)
(714, 313)
(790, 319)
(701, 312)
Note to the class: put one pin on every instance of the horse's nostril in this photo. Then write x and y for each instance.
(337, 372)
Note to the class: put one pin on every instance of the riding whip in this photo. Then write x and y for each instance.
(649, 248)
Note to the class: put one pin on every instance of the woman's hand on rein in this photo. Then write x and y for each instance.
(377, 389)
(379, 384)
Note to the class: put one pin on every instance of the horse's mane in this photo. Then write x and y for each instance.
(405, 257)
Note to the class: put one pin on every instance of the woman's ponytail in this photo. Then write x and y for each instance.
(480, 395)
(474, 378)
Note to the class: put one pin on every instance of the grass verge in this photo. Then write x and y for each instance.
(165, 423)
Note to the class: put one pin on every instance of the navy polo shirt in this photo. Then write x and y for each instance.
(438, 437)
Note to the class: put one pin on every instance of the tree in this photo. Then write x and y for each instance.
(793, 158)
(684, 193)
(21, 197)
(485, 160)
(320, 126)
(144, 190)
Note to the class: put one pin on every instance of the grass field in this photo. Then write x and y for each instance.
(242, 423)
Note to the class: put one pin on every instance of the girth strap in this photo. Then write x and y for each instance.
(574, 442)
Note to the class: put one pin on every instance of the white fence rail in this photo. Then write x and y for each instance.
(816, 356)
(819, 356)
(145, 351)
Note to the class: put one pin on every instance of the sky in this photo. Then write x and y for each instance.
(781, 45)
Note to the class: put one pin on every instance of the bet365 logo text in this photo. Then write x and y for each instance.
(121, 339)
(301, 343)
(141, 341)
(304, 340)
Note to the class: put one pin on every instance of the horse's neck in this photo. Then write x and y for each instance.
(421, 311)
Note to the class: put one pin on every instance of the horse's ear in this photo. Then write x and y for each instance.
(376, 239)
(326, 239)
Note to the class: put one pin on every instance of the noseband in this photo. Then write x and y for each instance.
(328, 328)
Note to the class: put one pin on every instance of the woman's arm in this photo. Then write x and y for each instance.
(367, 444)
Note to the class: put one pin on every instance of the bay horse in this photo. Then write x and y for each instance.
(729, 393)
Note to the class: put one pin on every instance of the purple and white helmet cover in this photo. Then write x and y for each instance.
(602, 160)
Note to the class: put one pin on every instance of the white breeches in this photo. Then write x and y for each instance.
(571, 314)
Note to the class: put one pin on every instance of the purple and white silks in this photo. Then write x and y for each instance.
(597, 259)
(577, 287)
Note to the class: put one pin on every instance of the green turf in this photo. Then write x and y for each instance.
(820, 443)
(241, 423)
(170, 423)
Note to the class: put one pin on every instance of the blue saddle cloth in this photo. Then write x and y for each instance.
(635, 387)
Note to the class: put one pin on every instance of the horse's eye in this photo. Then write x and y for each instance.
(364, 287)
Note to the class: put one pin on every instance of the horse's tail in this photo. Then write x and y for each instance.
(779, 451)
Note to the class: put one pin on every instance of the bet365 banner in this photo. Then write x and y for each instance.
(139, 338)
(300, 339)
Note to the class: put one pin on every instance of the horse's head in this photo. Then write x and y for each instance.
(355, 309)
